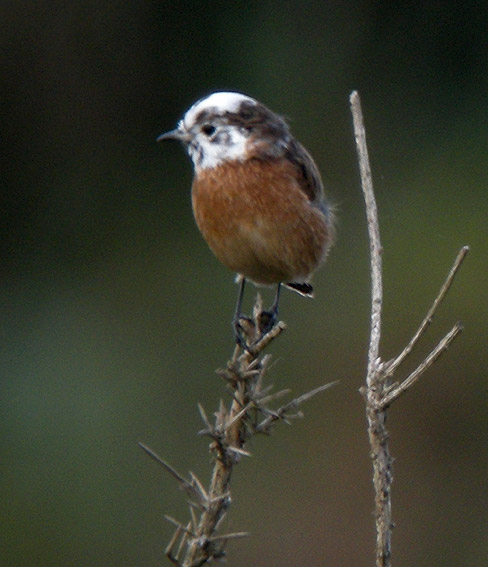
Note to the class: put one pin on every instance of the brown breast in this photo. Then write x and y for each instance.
(259, 222)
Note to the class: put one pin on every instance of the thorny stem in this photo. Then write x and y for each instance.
(379, 392)
(198, 551)
(197, 542)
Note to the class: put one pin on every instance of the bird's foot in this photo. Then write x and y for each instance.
(248, 332)
(266, 320)
(244, 331)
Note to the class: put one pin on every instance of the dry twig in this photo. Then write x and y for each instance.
(379, 391)
(197, 542)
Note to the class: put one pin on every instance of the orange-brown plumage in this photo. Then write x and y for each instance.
(258, 220)
(257, 196)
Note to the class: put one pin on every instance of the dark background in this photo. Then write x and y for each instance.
(114, 314)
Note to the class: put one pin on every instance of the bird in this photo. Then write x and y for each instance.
(257, 197)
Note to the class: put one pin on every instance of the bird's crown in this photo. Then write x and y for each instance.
(228, 126)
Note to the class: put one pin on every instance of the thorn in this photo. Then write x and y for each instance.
(239, 451)
(199, 486)
(184, 484)
(194, 520)
(308, 395)
(251, 373)
(224, 500)
(252, 365)
(226, 373)
(209, 433)
(186, 529)
(266, 399)
(169, 548)
(234, 535)
(204, 417)
(220, 520)
(183, 541)
(238, 416)
(282, 411)
(221, 414)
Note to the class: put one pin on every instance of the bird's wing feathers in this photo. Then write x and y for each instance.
(308, 174)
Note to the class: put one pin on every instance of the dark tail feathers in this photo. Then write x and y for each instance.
(302, 288)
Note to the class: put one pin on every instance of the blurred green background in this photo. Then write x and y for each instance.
(114, 314)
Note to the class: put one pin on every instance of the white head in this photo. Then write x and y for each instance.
(225, 126)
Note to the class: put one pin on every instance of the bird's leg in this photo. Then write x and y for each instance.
(268, 319)
(241, 331)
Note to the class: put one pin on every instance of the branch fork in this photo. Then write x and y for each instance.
(380, 390)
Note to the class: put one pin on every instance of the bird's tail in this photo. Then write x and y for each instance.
(304, 289)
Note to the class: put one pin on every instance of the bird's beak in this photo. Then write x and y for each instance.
(176, 134)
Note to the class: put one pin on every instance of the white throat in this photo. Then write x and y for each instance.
(230, 144)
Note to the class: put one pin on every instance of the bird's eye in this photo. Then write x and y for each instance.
(208, 129)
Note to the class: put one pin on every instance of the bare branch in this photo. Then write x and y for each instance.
(378, 436)
(393, 365)
(379, 393)
(374, 233)
(417, 373)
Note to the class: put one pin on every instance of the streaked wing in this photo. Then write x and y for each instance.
(308, 174)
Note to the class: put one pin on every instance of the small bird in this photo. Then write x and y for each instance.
(257, 196)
